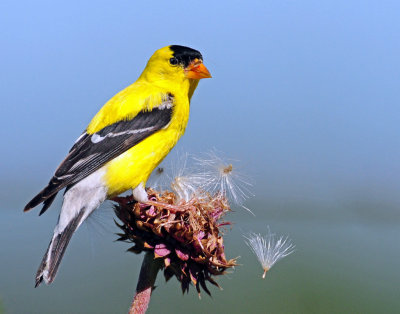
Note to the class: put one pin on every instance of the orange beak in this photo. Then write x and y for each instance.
(197, 70)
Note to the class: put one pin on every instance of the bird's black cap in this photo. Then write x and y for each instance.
(184, 55)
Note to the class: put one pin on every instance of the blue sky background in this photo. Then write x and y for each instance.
(304, 93)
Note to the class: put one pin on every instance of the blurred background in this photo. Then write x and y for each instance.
(305, 94)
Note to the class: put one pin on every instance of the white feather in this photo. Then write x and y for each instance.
(140, 194)
(96, 138)
(88, 193)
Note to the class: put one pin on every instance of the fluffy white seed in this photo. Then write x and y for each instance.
(221, 176)
(269, 249)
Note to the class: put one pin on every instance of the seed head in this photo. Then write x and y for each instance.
(269, 249)
(222, 177)
(187, 236)
(180, 176)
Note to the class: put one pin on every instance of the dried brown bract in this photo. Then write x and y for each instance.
(186, 235)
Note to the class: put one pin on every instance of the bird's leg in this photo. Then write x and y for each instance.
(139, 193)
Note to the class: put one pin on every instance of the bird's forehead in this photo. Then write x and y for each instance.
(164, 52)
(185, 52)
(183, 55)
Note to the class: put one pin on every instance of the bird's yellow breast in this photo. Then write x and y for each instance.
(135, 165)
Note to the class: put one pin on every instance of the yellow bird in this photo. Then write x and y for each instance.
(130, 135)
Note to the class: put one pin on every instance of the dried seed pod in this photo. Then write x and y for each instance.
(188, 239)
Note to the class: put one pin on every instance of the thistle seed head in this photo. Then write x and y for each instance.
(222, 177)
(269, 249)
(186, 235)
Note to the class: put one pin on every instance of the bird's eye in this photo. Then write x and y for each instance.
(173, 61)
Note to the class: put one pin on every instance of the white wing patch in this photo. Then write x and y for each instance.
(165, 105)
(96, 138)
(83, 160)
(65, 176)
(80, 137)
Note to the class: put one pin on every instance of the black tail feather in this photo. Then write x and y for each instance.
(47, 203)
(51, 260)
(46, 195)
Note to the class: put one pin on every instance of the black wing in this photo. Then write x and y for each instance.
(92, 151)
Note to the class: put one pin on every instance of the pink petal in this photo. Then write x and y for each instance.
(152, 212)
(181, 255)
(143, 206)
(200, 235)
(161, 250)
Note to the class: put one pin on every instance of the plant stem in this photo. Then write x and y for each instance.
(147, 278)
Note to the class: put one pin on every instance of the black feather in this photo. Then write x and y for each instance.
(92, 151)
(185, 55)
(56, 251)
(47, 203)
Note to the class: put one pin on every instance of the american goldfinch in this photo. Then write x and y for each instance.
(124, 142)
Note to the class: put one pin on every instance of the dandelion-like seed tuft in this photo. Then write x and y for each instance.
(269, 249)
(181, 178)
(159, 179)
(191, 177)
(186, 187)
(220, 176)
